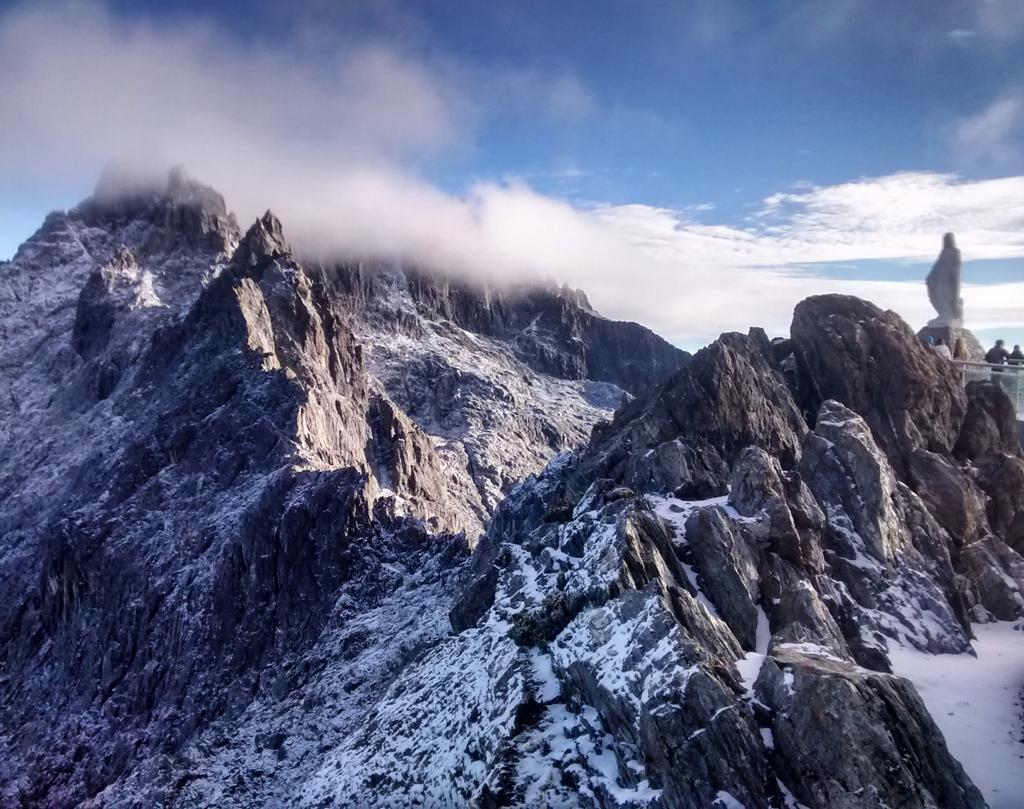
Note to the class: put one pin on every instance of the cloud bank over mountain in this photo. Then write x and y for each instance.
(340, 137)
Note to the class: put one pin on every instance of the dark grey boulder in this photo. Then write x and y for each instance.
(869, 360)
(990, 423)
(854, 739)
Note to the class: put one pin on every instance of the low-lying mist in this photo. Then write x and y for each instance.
(335, 137)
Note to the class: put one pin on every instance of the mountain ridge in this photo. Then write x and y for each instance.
(240, 495)
(197, 460)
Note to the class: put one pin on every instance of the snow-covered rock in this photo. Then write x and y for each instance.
(734, 647)
(238, 492)
(214, 516)
(502, 379)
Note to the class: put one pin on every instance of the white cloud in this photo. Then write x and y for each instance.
(80, 84)
(994, 135)
(962, 34)
(331, 147)
(898, 216)
(1001, 20)
(698, 279)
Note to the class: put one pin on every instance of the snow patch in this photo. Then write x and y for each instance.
(976, 702)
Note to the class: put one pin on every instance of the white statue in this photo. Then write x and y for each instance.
(944, 286)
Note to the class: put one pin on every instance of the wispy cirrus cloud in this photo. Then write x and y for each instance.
(741, 275)
(993, 136)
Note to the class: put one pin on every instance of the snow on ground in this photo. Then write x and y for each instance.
(978, 705)
(749, 666)
(676, 512)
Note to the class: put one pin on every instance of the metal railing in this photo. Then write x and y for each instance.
(1009, 377)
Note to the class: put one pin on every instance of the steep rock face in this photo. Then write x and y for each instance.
(775, 564)
(107, 275)
(951, 494)
(244, 534)
(832, 725)
(956, 449)
(501, 378)
(870, 360)
(202, 513)
(554, 330)
(684, 436)
(890, 560)
(988, 442)
(989, 424)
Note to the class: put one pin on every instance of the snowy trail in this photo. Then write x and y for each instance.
(977, 704)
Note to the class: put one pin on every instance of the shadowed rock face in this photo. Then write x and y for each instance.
(229, 575)
(851, 351)
(553, 330)
(989, 425)
(214, 516)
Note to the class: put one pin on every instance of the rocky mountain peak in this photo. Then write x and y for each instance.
(175, 212)
(264, 240)
(870, 360)
(230, 483)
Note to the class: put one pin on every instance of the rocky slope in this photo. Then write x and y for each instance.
(697, 609)
(209, 503)
(234, 494)
(501, 378)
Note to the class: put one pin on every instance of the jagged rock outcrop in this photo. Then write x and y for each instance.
(776, 562)
(239, 521)
(227, 485)
(684, 437)
(989, 424)
(832, 728)
(853, 352)
(502, 379)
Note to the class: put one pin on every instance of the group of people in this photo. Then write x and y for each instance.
(998, 355)
(944, 350)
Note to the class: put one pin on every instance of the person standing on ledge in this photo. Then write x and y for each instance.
(1016, 356)
(942, 349)
(997, 355)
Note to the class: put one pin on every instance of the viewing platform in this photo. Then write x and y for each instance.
(1009, 377)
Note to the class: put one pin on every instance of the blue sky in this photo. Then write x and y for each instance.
(716, 150)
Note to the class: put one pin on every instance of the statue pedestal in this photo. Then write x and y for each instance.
(950, 335)
(947, 323)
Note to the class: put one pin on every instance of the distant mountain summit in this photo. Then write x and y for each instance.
(501, 378)
(198, 455)
(276, 532)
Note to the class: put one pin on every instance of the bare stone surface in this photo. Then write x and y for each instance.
(242, 587)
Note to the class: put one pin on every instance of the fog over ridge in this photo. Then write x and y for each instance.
(336, 146)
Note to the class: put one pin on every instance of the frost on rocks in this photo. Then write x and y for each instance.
(501, 380)
(597, 670)
(238, 492)
(221, 535)
(710, 634)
